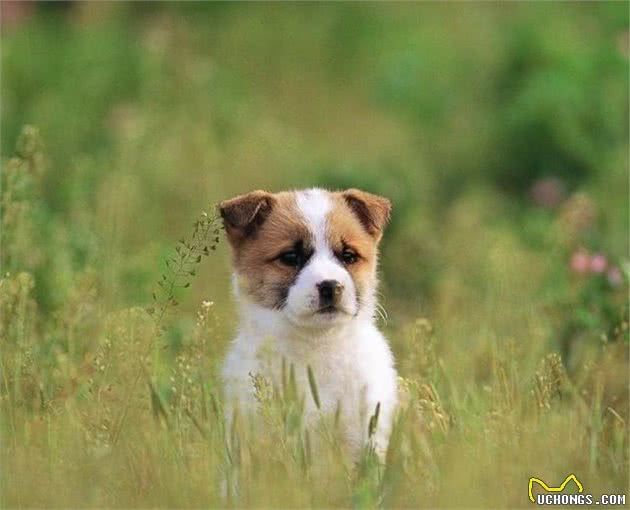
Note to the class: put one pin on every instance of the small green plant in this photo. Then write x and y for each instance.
(182, 265)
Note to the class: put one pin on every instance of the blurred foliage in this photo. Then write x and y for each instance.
(423, 103)
(499, 131)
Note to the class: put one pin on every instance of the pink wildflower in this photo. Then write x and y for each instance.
(614, 276)
(599, 263)
(580, 261)
(548, 192)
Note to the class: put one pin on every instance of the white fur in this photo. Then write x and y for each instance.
(303, 298)
(350, 358)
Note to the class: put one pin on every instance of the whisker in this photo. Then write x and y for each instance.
(381, 312)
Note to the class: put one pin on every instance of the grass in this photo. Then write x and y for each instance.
(513, 357)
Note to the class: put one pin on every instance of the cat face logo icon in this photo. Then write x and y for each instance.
(553, 489)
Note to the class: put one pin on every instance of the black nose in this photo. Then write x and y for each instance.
(329, 292)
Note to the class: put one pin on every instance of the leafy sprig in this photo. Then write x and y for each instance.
(181, 268)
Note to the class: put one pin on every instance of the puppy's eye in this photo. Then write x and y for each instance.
(290, 258)
(348, 256)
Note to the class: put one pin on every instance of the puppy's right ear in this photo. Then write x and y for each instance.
(243, 215)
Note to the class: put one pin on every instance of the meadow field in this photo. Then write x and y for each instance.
(498, 130)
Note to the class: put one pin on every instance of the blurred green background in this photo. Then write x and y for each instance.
(480, 121)
(498, 130)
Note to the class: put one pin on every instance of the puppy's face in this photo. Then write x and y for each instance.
(310, 255)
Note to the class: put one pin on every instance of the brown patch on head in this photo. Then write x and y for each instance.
(373, 211)
(261, 226)
(242, 215)
(356, 223)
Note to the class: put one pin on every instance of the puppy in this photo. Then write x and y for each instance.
(305, 283)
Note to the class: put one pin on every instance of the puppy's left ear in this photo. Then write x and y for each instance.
(243, 215)
(373, 211)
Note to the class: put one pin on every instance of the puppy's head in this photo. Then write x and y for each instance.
(310, 255)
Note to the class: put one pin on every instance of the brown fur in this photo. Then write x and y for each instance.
(241, 215)
(254, 251)
(373, 211)
(346, 228)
